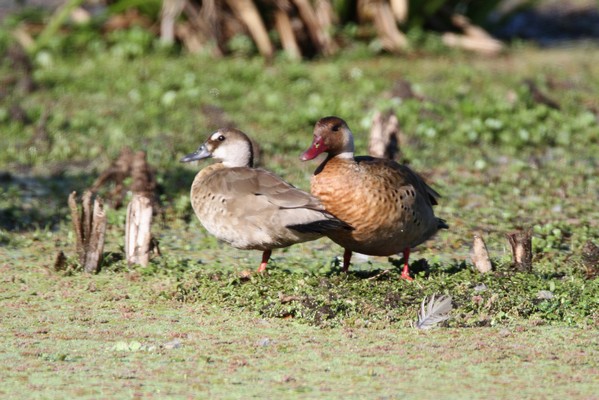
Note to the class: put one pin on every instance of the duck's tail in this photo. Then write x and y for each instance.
(441, 224)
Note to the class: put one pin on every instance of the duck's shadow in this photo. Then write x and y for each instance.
(420, 267)
(394, 269)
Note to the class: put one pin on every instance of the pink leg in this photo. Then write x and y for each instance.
(405, 274)
(346, 260)
(265, 258)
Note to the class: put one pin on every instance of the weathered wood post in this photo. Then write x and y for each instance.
(384, 136)
(521, 243)
(90, 230)
(138, 235)
(480, 256)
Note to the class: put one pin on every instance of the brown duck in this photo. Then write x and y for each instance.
(250, 208)
(389, 206)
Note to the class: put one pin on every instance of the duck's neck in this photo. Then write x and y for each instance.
(242, 159)
(237, 154)
(236, 163)
(345, 155)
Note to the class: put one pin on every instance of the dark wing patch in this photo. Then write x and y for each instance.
(322, 226)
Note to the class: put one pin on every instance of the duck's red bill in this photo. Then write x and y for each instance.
(315, 149)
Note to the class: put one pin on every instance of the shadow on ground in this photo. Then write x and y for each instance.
(553, 23)
(40, 202)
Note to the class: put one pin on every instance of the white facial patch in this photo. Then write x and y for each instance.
(215, 136)
(233, 153)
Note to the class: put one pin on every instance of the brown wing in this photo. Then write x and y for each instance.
(275, 190)
(405, 176)
(264, 201)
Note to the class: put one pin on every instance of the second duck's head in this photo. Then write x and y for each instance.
(230, 146)
(332, 136)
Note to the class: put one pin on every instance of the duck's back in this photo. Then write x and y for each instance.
(389, 205)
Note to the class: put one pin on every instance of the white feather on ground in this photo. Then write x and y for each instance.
(436, 311)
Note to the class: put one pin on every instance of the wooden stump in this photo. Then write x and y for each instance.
(521, 243)
(247, 12)
(381, 15)
(138, 236)
(118, 171)
(288, 39)
(128, 164)
(199, 29)
(384, 136)
(590, 259)
(142, 176)
(171, 10)
(319, 35)
(480, 256)
(60, 261)
(474, 38)
(400, 10)
(478, 45)
(90, 229)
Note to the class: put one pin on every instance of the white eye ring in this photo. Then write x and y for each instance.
(217, 136)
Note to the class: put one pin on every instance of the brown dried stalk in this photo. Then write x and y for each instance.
(521, 243)
(90, 229)
(76, 220)
(288, 39)
(127, 165)
(381, 15)
(171, 10)
(95, 246)
(60, 261)
(116, 173)
(246, 11)
(319, 36)
(86, 219)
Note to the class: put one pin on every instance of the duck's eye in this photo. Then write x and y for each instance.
(221, 138)
(336, 128)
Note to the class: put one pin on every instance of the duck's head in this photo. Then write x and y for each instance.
(228, 145)
(332, 136)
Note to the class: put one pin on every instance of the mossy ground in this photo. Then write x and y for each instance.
(194, 322)
(111, 336)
